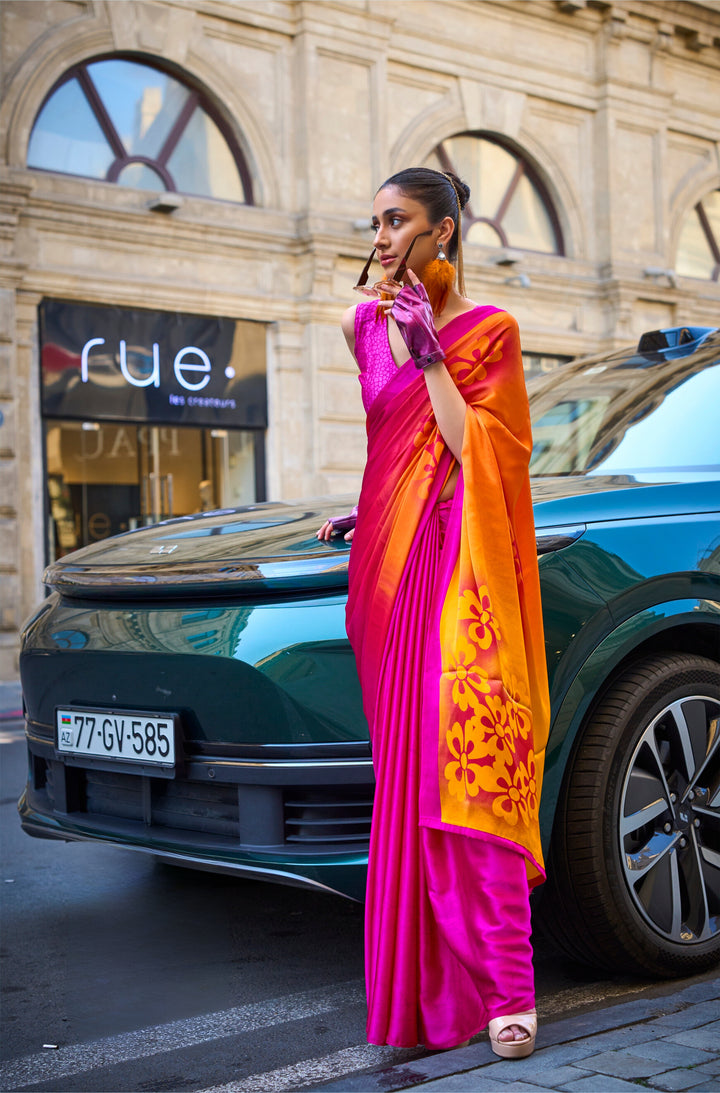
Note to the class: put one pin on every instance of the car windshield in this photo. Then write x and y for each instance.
(642, 415)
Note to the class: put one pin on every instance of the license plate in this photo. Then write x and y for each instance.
(132, 736)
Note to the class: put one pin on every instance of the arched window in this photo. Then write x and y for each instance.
(698, 253)
(509, 205)
(132, 123)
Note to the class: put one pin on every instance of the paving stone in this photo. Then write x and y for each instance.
(459, 1058)
(559, 1054)
(525, 1087)
(700, 992)
(623, 1064)
(621, 1037)
(679, 1079)
(535, 1065)
(557, 1076)
(706, 1039)
(711, 1067)
(601, 1083)
(673, 1054)
(691, 1017)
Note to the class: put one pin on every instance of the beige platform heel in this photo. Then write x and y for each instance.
(514, 1049)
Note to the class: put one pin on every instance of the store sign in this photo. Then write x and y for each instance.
(107, 363)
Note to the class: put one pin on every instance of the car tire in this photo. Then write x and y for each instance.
(634, 867)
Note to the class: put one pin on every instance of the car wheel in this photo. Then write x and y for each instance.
(634, 868)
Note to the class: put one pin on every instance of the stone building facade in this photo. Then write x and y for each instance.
(612, 108)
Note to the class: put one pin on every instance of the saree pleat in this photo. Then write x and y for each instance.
(393, 891)
(447, 922)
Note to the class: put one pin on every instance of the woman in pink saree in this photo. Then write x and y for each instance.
(444, 617)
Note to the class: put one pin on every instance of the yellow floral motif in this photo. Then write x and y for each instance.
(429, 439)
(484, 627)
(528, 785)
(518, 719)
(515, 791)
(423, 435)
(479, 358)
(469, 679)
(498, 737)
(432, 453)
(462, 772)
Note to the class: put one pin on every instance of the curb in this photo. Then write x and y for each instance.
(478, 1055)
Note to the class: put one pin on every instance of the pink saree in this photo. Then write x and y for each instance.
(444, 618)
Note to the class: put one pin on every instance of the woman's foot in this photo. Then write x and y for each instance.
(513, 1037)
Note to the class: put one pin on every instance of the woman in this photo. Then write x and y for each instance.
(444, 618)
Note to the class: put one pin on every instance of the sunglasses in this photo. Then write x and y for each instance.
(376, 289)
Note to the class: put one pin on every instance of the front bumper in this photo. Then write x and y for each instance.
(300, 821)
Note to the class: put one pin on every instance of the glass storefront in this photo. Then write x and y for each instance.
(166, 421)
(105, 478)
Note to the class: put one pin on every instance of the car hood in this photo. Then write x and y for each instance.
(273, 546)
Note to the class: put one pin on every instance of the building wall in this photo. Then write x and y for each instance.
(615, 103)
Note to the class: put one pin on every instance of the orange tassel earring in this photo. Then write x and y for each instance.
(438, 278)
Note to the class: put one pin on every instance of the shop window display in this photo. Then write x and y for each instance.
(104, 478)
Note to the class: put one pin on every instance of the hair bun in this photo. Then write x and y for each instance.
(461, 188)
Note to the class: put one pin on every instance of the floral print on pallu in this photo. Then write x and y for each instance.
(514, 791)
(490, 751)
(430, 440)
(468, 679)
(489, 748)
(478, 358)
(519, 719)
(463, 770)
(498, 739)
(476, 608)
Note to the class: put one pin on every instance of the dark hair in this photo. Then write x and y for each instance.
(439, 193)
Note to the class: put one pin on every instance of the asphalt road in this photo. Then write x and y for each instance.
(149, 977)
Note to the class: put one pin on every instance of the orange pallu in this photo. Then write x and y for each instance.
(485, 706)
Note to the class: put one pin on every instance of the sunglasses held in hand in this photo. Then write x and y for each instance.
(377, 288)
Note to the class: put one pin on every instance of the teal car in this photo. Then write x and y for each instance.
(190, 692)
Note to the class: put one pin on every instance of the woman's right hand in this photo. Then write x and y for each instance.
(326, 532)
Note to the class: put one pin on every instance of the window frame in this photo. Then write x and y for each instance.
(523, 167)
(197, 97)
(712, 240)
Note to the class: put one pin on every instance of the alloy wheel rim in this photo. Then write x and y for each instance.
(669, 826)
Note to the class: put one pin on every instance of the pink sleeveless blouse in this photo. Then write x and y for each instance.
(372, 352)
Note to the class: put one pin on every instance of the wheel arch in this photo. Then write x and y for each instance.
(687, 626)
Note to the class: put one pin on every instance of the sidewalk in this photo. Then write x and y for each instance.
(666, 1043)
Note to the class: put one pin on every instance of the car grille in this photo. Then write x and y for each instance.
(188, 806)
(328, 816)
(306, 819)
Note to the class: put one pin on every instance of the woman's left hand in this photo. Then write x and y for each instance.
(327, 531)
